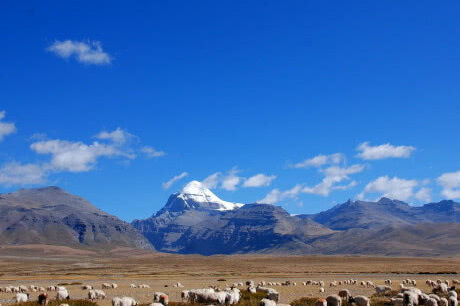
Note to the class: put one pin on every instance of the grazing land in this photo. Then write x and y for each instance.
(50, 265)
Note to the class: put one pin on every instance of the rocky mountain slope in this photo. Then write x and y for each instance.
(53, 216)
(193, 222)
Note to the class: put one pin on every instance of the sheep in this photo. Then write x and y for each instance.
(22, 297)
(397, 301)
(452, 293)
(321, 283)
(431, 302)
(23, 289)
(388, 282)
(127, 301)
(87, 287)
(133, 286)
(160, 297)
(321, 290)
(452, 301)
(441, 288)
(434, 296)
(344, 294)
(114, 286)
(144, 286)
(443, 302)
(116, 301)
(96, 294)
(250, 283)
(62, 295)
(320, 302)
(272, 294)
(333, 284)
(382, 289)
(106, 286)
(334, 300)
(410, 298)
(51, 288)
(370, 284)
(178, 285)
(252, 289)
(359, 300)
(43, 299)
(267, 302)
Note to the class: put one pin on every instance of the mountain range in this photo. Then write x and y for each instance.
(196, 221)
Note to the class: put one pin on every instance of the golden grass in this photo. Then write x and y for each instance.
(57, 303)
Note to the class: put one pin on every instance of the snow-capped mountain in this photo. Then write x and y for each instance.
(196, 196)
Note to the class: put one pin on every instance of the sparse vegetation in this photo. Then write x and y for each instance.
(57, 303)
(70, 284)
(305, 301)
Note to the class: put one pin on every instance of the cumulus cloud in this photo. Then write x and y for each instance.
(84, 52)
(231, 180)
(73, 156)
(6, 128)
(259, 180)
(423, 194)
(276, 195)
(450, 183)
(212, 181)
(332, 176)
(151, 152)
(15, 173)
(118, 136)
(394, 188)
(387, 150)
(173, 180)
(321, 160)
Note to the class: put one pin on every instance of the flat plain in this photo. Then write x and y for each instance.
(49, 265)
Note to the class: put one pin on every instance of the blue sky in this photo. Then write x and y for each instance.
(110, 100)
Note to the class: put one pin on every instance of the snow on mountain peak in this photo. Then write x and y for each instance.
(197, 192)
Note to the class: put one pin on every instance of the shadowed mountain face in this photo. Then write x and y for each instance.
(386, 212)
(189, 224)
(196, 221)
(53, 216)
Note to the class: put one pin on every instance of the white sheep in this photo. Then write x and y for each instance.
(382, 289)
(359, 300)
(267, 302)
(344, 294)
(452, 301)
(160, 297)
(62, 295)
(95, 294)
(106, 286)
(127, 301)
(22, 297)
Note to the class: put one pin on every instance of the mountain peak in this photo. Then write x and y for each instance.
(194, 195)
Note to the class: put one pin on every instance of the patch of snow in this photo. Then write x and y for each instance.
(195, 191)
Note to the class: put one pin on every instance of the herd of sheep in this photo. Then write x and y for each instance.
(442, 293)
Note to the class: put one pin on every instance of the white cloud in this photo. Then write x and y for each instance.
(151, 152)
(321, 160)
(21, 174)
(423, 194)
(394, 188)
(450, 183)
(332, 176)
(86, 53)
(231, 180)
(6, 128)
(212, 181)
(276, 195)
(118, 136)
(387, 150)
(168, 184)
(74, 156)
(259, 180)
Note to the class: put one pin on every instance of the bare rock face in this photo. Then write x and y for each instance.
(53, 216)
